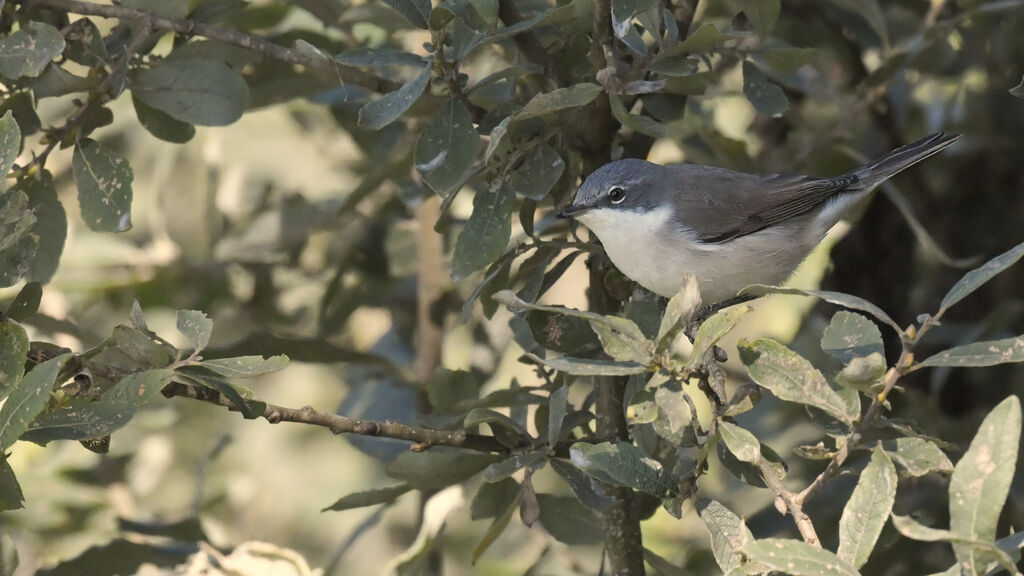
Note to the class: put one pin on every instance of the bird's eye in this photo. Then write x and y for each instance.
(616, 195)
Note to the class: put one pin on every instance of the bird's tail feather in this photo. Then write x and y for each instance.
(904, 157)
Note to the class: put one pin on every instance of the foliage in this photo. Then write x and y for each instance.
(469, 123)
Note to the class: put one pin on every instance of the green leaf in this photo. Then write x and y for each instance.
(981, 481)
(863, 373)
(161, 124)
(791, 378)
(918, 456)
(104, 182)
(712, 330)
(742, 443)
(17, 245)
(678, 312)
(27, 399)
(761, 13)
(621, 464)
(729, 533)
(788, 60)
(415, 11)
(796, 558)
(867, 510)
(538, 173)
(241, 398)
(246, 366)
(447, 148)
(997, 551)
(493, 498)
(487, 231)
(767, 97)
(623, 12)
(51, 225)
(10, 142)
(56, 81)
(507, 430)
(114, 409)
(414, 560)
(559, 99)
(196, 326)
(850, 335)
(28, 51)
(447, 389)
(557, 405)
(501, 519)
(11, 498)
(838, 298)
(499, 471)
(438, 467)
(1018, 90)
(870, 11)
(379, 58)
(979, 276)
(193, 90)
(13, 352)
(635, 122)
(587, 367)
(369, 498)
(587, 489)
(25, 304)
(378, 113)
(988, 353)
(569, 521)
(702, 39)
(141, 348)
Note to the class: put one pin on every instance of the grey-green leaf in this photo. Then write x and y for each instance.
(26, 303)
(870, 11)
(588, 367)
(623, 12)
(979, 276)
(761, 13)
(415, 11)
(791, 377)
(568, 520)
(196, 326)
(838, 298)
(767, 98)
(557, 405)
(918, 456)
(10, 142)
(850, 335)
(868, 509)
(538, 173)
(559, 99)
(1018, 90)
(796, 558)
(246, 366)
(11, 498)
(621, 464)
(741, 442)
(28, 51)
(193, 90)
(979, 354)
(439, 467)
(104, 182)
(447, 148)
(27, 399)
(997, 551)
(636, 122)
(981, 481)
(369, 498)
(378, 113)
(161, 124)
(586, 488)
(51, 225)
(13, 350)
(729, 533)
(680, 309)
(487, 231)
(712, 330)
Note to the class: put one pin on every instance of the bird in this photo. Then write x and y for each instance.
(660, 223)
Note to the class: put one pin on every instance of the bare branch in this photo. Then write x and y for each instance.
(344, 74)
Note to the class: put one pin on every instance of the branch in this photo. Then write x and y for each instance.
(424, 438)
(186, 27)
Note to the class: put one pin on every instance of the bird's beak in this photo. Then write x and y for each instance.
(572, 210)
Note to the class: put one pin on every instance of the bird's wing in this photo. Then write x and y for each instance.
(720, 205)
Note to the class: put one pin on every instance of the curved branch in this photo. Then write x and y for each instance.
(186, 27)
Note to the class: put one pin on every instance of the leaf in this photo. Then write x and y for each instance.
(378, 113)
(104, 182)
(487, 231)
(514, 433)
(240, 398)
(838, 298)
(702, 39)
(56, 81)
(11, 498)
(499, 471)
(141, 348)
(635, 122)
(439, 467)
(369, 498)
(678, 312)
(413, 561)
(767, 97)
(501, 520)
(378, 58)
(415, 11)
(568, 520)
(27, 399)
(193, 90)
(114, 409)
(999, 551)
(979, 276)
(587, 367)
(196, 326)
(537, 174)
(988, 353)
(742, 443)
(10, 142)
(447, 148)
(28, 51)
(25, 304)
(493, 498)
(791, 378)
(712, 330)
(788, 60)
(867, 510)
(161, 124)
(918, 456)
(623, 12)
(557, 405)
(559, 99)
(587, 489)
(981, 481)
(1018, 90)
(729, 533)
(621, 464)
(850, 335)
(51, 225)
(796, 558)
(13, 352)
(870, 11)
(246, 366)
(761, 13)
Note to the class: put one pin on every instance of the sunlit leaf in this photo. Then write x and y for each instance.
(742, 443)
(729, 533)
(844, 300)
(246, 366)
(621, 464)
(796, 558)
(850, 335)
(10, 142)
(499, 471)
(868, 509)
(28, 51)
(918, 456)
(26, 399)
(369, 498)
(13, 350)
(196, 326)
(586, 367)
(979, 276)
(192, 90)
(996, 551)
(714, 329)
(435, 513)
(104, 182)
(979, 354)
